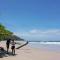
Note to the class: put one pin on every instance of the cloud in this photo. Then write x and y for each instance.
(53, 31)
(43, 35)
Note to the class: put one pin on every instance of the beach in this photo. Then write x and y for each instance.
(29, 53)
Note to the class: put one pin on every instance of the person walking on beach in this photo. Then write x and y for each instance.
(8, 44)
(13, 47)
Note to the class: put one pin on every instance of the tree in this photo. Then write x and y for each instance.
(4, 33)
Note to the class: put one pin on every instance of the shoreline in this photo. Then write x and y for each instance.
(28, 53)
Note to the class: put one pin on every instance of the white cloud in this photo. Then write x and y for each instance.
(54, 31)
(36, 34)
(35, 31)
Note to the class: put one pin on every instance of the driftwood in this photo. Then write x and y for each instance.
(22, 45)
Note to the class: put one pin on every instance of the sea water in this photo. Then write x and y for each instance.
(54, 46)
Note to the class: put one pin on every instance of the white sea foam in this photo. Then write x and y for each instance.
(49, 42)
(53, 46)
(45, 42)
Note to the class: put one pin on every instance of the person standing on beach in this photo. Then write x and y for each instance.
(13, 47)
(8, 44)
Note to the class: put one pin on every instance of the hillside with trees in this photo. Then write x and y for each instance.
(6, 34)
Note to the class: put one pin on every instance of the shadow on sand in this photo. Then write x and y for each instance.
(5, 54)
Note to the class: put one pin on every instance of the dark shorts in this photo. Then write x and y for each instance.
(13, 47)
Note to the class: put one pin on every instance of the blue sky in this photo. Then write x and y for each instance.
(31, 17)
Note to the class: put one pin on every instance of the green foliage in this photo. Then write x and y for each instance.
(4, 33)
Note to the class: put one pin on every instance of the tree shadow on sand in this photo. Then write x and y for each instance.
(5, 54)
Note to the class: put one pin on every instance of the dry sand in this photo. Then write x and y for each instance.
(28, 53)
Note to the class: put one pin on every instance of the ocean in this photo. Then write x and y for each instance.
(51, 46)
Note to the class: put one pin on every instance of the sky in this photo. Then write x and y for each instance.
(32, 19)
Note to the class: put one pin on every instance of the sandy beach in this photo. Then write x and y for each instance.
(28, 53)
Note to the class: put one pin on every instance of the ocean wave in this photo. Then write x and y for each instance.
(46, 42)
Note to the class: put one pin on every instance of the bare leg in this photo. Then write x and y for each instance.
(7, 50)
(14, 51)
